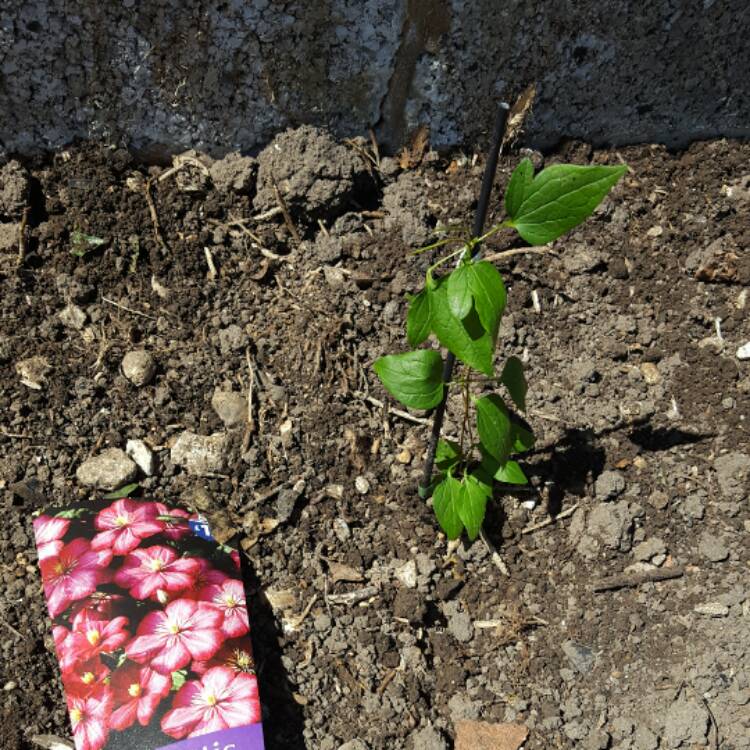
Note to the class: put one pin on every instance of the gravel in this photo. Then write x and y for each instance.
(200, 454)
(109, 470)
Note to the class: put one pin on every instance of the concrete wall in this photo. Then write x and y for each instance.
(227, 74)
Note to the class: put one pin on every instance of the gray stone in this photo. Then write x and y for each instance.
(611, 525)
(694, 506)
(14, 186)
(609, 485)
(200, 454)
(142, 455)
(234, 174)
(733, 474)
(428, 739)
(322, 623)
(315, 175)
(109, 470)
(461, 626)
(597, 740)
(649, 549)
(686, 724)
(73, 317)
(713, 547)
(232, 339)
(139, 367)
(580, 657)
(230, 406)
(644, 739)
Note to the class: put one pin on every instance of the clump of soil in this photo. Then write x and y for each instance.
(367, 626)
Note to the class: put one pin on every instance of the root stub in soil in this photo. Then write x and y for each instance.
(367, 627)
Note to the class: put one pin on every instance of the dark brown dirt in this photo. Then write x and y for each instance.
(626, 376)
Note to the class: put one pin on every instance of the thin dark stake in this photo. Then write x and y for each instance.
(479, 219)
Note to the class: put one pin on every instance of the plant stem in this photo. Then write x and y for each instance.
(479, 219)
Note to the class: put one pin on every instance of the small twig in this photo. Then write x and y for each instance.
(713, 722)
(22, 235)
(128, 309)
(396, 412)
(285, 212)
(612, 583)
(375, 148)
(496, 559)
(12, 629)
(354, 597)
(503, 254)
(212, 274)
(183, 161)
(17, 435)
(251, 386)
(387, 680)
(552, 519)
(266, 215)
(154, 216)
(323, 228)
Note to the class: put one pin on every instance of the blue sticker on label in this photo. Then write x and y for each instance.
(200, 528)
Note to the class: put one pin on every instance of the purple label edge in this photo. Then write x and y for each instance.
(240, 738)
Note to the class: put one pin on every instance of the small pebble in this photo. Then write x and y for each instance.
(712, 609)
(10, 685)
(404, 457)
(744, 351)
(142, 455)
(658, 499)
(341, 529)
(139, 367)
(362, 485)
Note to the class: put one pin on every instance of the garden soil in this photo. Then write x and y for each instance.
(370, 630)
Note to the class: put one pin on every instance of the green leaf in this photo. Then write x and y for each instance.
(473, 504)
(447, 455)
(414, 378)
(514, 380)
(72, 513)
(178, 679)
(465, 338)
(561, 197)
(418, 319)
(459, 291)
(488, 292)
(445, 501)
(122, 492)
(521, 178)
(81, 243)
(508, 472)
(523, 439)
(495, 427)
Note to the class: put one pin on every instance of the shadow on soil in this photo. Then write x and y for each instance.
(282, 715)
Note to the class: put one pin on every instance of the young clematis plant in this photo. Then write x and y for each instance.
(463, 309)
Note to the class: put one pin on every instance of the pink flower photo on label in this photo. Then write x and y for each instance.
(150, 626)
(229, 598)
(49, 532)
(92, 635)
(124, 524)
(73, 573)
(235, 655)
(221, 699)
(177, 527)
(146, 571)
(89, 717)
(184, 631)
(84, 678)
(137, 692)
